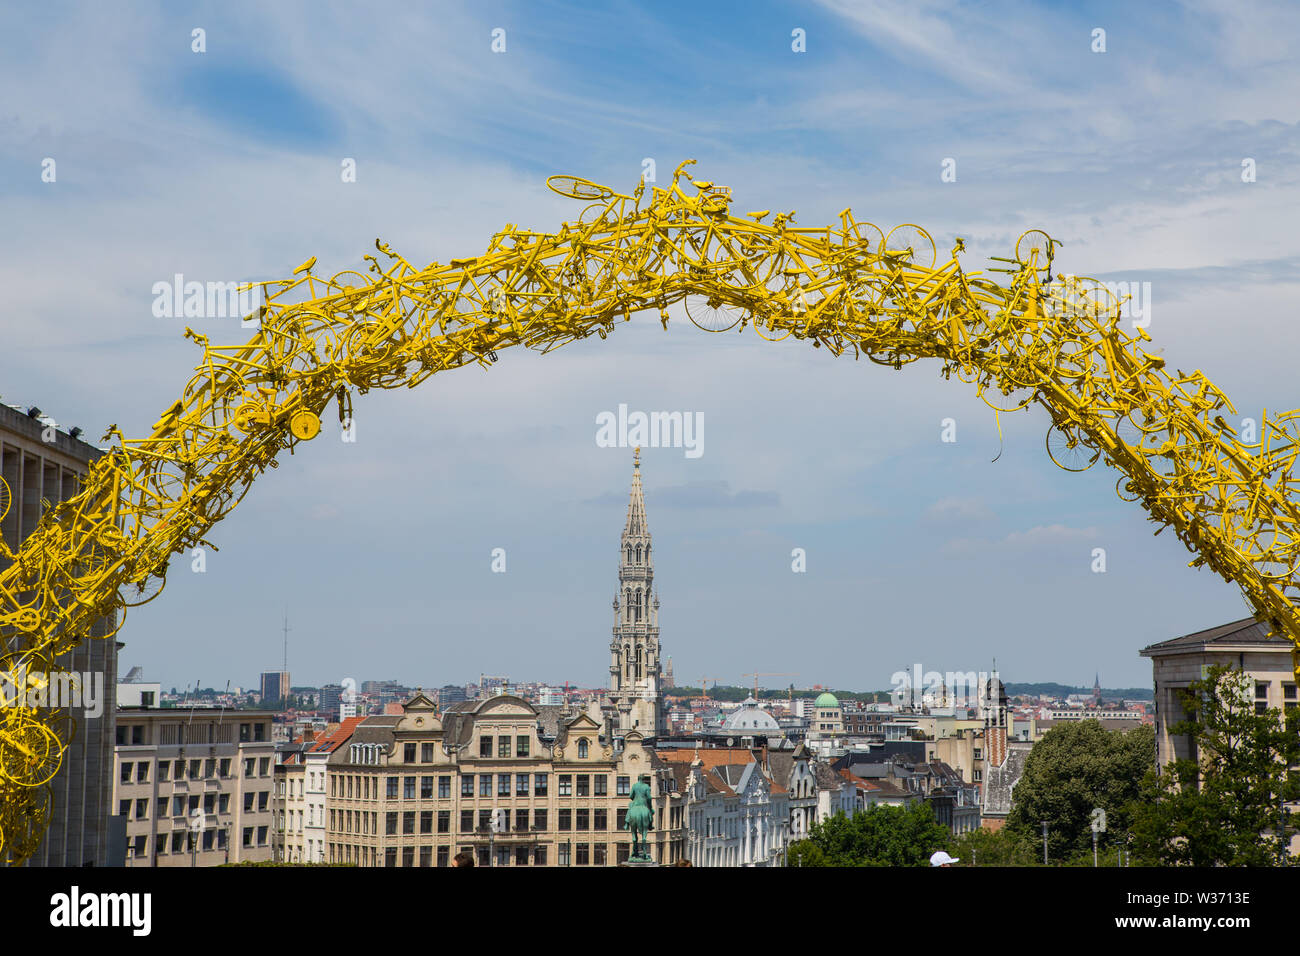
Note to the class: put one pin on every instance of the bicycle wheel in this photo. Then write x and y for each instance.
(1128, 488)
(912, 243)
(1034, 246)
(768, 328)
(575, 187)
(1070, 451)
(6, 498)
(142, 590)
(715, 311)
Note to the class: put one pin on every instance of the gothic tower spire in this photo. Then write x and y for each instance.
(635, 677)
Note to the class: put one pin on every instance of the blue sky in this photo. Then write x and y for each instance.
(225, 165)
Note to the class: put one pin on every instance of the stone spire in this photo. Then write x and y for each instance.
(635, 677)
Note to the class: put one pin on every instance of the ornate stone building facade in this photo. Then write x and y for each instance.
(498, 778)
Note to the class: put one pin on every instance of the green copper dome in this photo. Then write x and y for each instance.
(826, 701)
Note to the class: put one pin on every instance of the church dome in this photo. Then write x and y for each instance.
(827, 701)
(751, 719)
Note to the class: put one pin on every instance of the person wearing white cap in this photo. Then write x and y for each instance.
(941, 858)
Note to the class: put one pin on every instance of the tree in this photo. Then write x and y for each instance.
(993, 848)
(1225, 804)
(1076, 767)
(877, 836)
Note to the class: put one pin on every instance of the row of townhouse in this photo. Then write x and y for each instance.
(517, 785)
(512, 784)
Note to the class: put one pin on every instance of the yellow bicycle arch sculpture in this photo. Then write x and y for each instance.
(1024, 337)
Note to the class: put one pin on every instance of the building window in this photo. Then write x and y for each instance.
(466, 821)
(620, 818)
(444, 788)
(164, 770)
(142, 772)
(978, 776)
(485, 785)
(408, 753)
(444, 821)
(408, 788)
(1261, 690)
(408, 821)
(582, 748)
(426, 788)
(503, 746)
(539, 856)
(521, 856)
(521, 819)
(565, 819)
(539, 819)
(600, 819)
(390, 823)
(583, 854)
(621, 852)
(623, 784)
(126, 773)
(598, 854)
(467, 785)
(584, 819)
(521, 746)
(485, 820)
(444, 856)
(563, 854)
(483, 858)
(539, 784)
(601, 785)
(264, 766)
(485, 746)
(426, 821)
(584, 785)
(392, 788)
(390, 857)
(503, 785)
(1288, 692)
(979, 754)
(521, 785)
(566, 785)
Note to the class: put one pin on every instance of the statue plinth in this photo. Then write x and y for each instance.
(632, 862)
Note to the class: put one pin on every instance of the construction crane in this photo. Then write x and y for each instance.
(768, 674)
(703, 690)
(1015, 333)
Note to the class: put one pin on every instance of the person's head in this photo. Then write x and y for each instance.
(941, 858)
(463, 858)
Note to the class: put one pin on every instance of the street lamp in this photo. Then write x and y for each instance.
(1044, 843)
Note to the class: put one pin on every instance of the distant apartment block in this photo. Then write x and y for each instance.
(195, 786)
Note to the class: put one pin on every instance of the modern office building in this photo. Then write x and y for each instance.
(275, 688)
(41, 462)
(195, 786)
